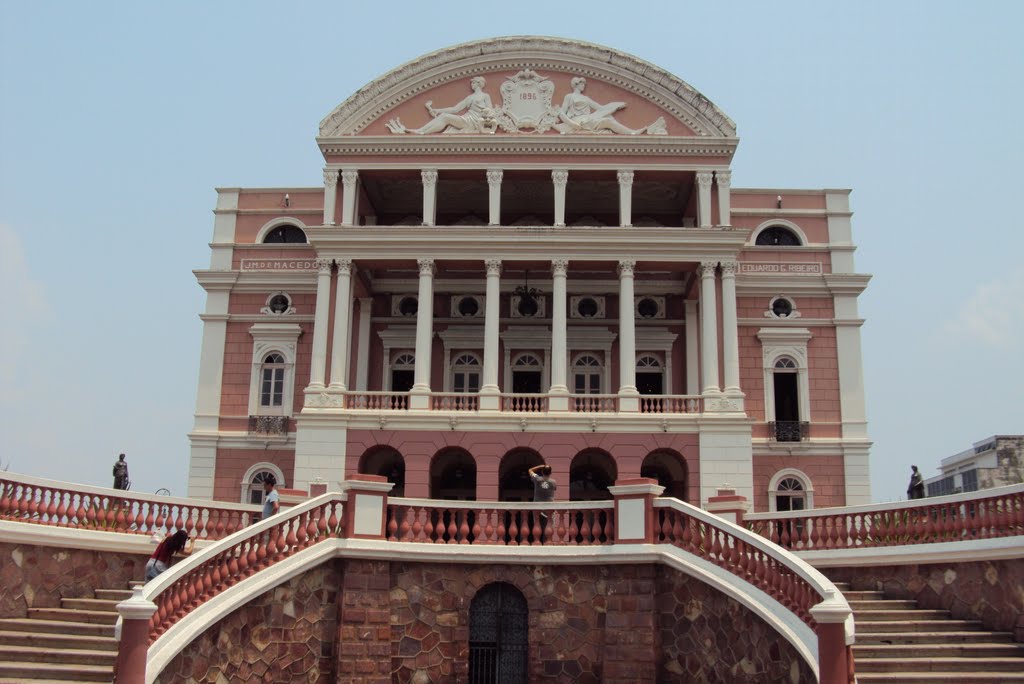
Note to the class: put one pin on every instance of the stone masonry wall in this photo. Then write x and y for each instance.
(989, 591)
(34, 576)
(284, 635)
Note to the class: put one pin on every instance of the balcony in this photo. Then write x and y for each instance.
(276, 426)
(789, 430)
(606, 404)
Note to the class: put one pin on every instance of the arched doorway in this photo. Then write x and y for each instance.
(513, 479)
(385, 461)
(591, 473)
(453, 475)
(498, 635)
(669, 469)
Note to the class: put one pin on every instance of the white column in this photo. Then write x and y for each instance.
(342, 329)
(494, 196)
(724, 181)
(318, 364)
(625, 198)
(424, 336)
(559, 334)
(330, 195)
(708, 328)
(730, 330)
(429, 177)
(349, 186)
(627, 339)
(363, 355)
(704, 199)
(692, 362)
(560, 179)
(489, 388)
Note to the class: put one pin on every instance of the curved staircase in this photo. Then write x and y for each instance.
(899, 643)
(73, 643)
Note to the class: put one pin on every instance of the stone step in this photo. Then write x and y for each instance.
(69, 615)
(103, 605)
(945, 650)
(931, 665)
(860, 605)
(34, 672)
(59, 640)
(941, 677)
(842, 586)
(887, 626)
(909, 638)
(57, 627)
(135, 583)
(114, 594)
(65, 656)
(901, 614)
(863, 595)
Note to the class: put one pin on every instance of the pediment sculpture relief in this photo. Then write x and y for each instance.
(527, 107)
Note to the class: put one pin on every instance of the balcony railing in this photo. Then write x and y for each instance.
(671, 404)
(789, 430)
(453, 401)
(675, 404)
(524, 403)
(594, 403)
(377, 401)
(268, 425)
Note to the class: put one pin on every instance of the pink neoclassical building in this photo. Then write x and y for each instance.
(529, 250)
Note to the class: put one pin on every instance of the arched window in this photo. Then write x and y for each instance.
(669, 469)
(650, 375)
(272, 383)
(387, 462)
(466, 373)
(498, 635)
(453, 476)
(285, 234)
(777, 236)
(252, 483)
(587, 372)
(403, 372)
(591, 473)
(790, 490)
(785, 386)
(526, 374)
(514, 482)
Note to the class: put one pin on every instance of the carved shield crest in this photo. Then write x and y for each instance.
(526, 103)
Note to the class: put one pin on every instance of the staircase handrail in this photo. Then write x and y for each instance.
(54, 503)
(985, 514)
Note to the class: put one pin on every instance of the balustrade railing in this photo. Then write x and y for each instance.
(453, 401)
(594, 403)
(735, 550)
(671, 403)
(986, 514)
(448, 522)
(524, 403)
(190, 584)
(62, 504)
(377, 401)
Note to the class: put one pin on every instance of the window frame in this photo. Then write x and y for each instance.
(273, 338)
(790, 474)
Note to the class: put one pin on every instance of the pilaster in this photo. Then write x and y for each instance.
(429, 177)
(723, 178)
(350, 185)
(318, 363)
(708, 328)
(420, 393)
(704, 199)
(625, 198)
(330, 195)
(559, 333)
(560, 178)
(494, 177)
(489, 390)
(342, 326)
(628, 395)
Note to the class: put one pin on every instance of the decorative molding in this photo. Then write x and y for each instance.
(493, 266)
(625, 177)
(345, 267)
(707, 269)
(559, 267)
(560, 178)
(723, 178)
(331, 178)
(324, 400)
(626, 268)
(276, 309)
(494, 177)
(704, 180)
(429, 177)
(427, 267)
(509, 54)
(599, 301)
(729, 269)
(349, 177)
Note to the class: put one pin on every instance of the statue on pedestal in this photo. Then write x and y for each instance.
(121, 480)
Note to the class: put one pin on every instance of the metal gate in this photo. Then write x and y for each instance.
(498, 635)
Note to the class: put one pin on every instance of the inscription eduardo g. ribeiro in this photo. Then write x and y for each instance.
(526, 106)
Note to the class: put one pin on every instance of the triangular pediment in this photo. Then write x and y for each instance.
(527, 86)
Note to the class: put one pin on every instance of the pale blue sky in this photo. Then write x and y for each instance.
(119, 119)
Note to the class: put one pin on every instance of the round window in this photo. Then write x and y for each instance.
(647, 308)
(468, 307)
(279, 304)
(587, 307)
(782, 307)
(527, 306)
(408, 306)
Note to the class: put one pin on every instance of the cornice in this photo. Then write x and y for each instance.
(526, 145)
(509, 53)
(785, 213)
(216, 280)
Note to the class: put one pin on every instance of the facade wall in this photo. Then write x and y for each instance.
(373, 622)
(232, 465)
(825, 473)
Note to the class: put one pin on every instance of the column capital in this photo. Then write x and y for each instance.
(560, 177)
(323, 266)
(494, 176)
(426, 267)
(723, 178)
(626, 267)
(707, 269)
(349, 177)
(493, 266)
(331, 178)
(625, 177)
(560, 267)
(429, 176)
(704, 179)
(729, 269)
(345, 266)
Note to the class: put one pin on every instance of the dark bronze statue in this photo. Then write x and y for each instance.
(121, 480)
(916, 488)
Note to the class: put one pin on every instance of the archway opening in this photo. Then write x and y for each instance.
(669, 469)
(388, 462)
(591, 473)
(498, 635)
(453, 475)
(513, 479)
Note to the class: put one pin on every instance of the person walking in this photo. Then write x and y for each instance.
(271, 499)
